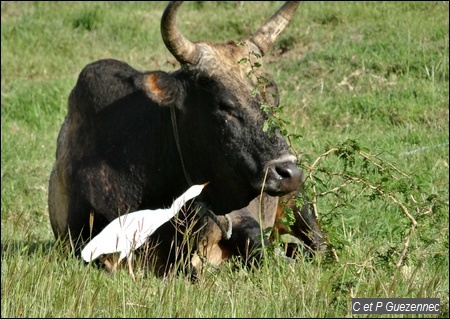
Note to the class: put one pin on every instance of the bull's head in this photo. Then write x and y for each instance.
(220, 115)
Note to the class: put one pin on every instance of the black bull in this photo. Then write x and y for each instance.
(134, 140)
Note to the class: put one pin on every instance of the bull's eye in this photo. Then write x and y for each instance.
(228, 117)
(229, 110)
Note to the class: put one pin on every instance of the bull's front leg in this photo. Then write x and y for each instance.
(235, 234)
(306, 227)
(247, 239)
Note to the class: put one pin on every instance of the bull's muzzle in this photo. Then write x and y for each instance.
(283, 176)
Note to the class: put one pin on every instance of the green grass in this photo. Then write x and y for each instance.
(376, 73)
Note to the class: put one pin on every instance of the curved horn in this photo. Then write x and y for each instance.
(185, 51)
(265, 37)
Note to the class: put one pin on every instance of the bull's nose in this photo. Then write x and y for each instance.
(289, 175)
(288, 171)
(283, 177)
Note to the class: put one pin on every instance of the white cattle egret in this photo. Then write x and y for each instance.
(128, 232)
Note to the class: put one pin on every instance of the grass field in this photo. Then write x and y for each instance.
(365, 90)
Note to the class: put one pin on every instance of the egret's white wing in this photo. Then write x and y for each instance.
(131, 230)
(112, 238)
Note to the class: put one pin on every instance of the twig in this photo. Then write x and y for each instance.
(310, 171)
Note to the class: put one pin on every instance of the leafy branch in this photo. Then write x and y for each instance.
(375, 175)
(274, 120)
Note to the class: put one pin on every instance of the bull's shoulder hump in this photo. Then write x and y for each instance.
(104, 82)
(106, 67)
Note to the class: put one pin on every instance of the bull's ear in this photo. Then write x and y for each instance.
(161, 87)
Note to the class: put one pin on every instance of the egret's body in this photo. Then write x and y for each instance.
(130, 231)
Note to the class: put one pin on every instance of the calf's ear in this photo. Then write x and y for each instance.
(161, 88)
